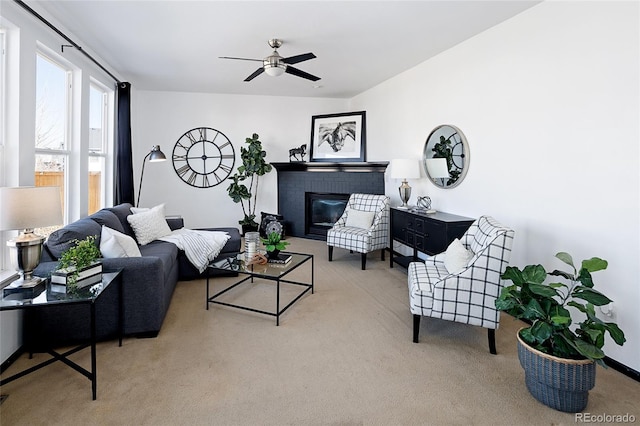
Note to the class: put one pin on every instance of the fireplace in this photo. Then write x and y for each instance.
(322, 211)
(297, 179)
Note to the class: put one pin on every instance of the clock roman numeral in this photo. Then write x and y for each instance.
(218, 178)
(205, 181)
(192, 178)
(203, 133)
(226, 168)
(183, 170)
(186, 148)
(192, 138)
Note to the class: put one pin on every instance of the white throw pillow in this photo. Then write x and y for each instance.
(117, 244)
(149, 225)
(456, 257)
(360, 219)
(136, 210)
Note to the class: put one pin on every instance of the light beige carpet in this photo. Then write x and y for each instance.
(342, 356)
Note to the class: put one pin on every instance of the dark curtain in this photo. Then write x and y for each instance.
(123, 173)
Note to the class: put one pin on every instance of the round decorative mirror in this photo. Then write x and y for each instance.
(446, 156)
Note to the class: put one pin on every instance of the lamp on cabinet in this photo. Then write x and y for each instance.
(404, 169)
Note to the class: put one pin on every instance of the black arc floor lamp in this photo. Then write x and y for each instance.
(154, 155)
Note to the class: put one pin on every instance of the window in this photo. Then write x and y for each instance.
(53, 119)
(98, 147)
(2, 98)
(3, 255)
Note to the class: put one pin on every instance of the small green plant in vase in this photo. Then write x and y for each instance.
(274, 243)
(81, 255)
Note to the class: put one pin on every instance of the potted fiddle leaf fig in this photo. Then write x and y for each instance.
(253, 166)
(557, 352)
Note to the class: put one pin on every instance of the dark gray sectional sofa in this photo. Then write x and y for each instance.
(148, 281)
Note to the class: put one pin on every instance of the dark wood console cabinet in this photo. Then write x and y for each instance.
(426, 233)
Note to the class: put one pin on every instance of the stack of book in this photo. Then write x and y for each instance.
(282, 259)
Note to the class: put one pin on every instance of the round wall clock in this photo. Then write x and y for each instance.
(203, 157)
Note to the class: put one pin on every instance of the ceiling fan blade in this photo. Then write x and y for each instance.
(299, 58)
(299, 73)
(255, 74)
(241, 59)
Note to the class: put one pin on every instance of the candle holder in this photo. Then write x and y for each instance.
(251, 244)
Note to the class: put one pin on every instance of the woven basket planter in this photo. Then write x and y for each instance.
(562, 384)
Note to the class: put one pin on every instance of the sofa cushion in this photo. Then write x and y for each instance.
(122, 211)
(116, 244)
(109, 219)
(360, 219)
(456, 257)
(266, 219)
(64, 238)
(149, 225)
(166, 252)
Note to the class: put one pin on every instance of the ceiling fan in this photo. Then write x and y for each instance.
(275, 65)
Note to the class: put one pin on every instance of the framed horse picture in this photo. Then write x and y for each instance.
(338, 137)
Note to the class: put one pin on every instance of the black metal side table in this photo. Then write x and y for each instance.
(48, 296)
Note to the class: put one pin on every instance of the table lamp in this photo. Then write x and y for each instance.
(437, 168)
(25, 208)
(404, 169)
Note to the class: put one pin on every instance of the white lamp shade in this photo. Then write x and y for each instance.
(404, 169)
(274, 70)
(437, 168)
(30, 207)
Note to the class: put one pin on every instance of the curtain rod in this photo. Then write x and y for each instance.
(61, 34)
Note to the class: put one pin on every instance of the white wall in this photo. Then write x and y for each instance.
(549, 102)
(162, 117)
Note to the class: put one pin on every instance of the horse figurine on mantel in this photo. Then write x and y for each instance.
(295, 152)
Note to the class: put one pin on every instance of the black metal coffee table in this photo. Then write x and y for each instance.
(271, 272)
(47, 296)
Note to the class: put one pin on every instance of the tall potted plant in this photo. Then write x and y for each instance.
(558, 359)
(253, 166)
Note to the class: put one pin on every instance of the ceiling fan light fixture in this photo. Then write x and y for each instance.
(273, 65)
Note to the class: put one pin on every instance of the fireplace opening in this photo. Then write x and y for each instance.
(322, 211)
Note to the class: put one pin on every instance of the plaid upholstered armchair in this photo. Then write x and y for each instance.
(363, 227)
(463, 283)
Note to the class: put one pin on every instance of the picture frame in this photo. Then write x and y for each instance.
(338, 137)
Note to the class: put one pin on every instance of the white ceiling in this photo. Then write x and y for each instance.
(175, 45)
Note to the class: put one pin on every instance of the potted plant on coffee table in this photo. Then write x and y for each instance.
(253, 166)
(78, 266)
(273, 244)
(558, 358)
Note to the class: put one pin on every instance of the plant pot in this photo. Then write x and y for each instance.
(249, 228)
(273, 254)
(559, 383)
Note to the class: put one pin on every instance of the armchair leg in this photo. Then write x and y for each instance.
(492, 341)
(382, 254)
(364, 261)
(416, 327)
(330, 253)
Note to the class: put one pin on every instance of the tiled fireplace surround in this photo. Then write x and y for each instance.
(295, 179)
